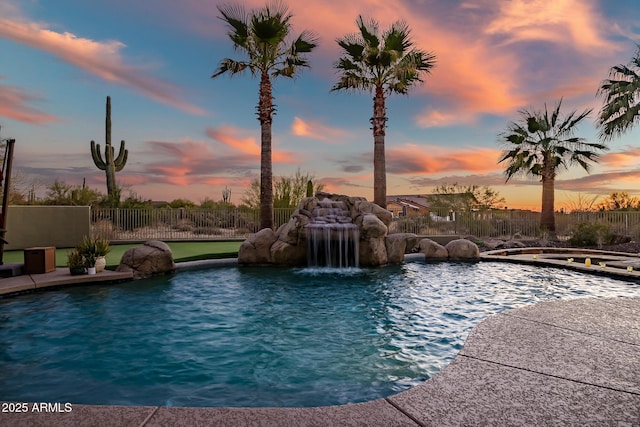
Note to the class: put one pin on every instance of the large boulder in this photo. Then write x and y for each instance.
(462, 249)
(372, 227)
(432, 250)
(373, 253)
(364, 207)
(257, 248)
(153, 257)
(283, 253)
(290, 232)
(398, 244)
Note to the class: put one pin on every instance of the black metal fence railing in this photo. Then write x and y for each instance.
(179, 224)
(240, 223)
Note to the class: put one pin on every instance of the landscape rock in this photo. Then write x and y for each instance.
(432, 250)
(398, 244)
(510, 244)
(372, 227)
(283, 253)
(373, 252)
(257, 248)
(462, 249)
(364, 207)
(152, 258)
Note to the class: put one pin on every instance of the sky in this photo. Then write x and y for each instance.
(189, 136)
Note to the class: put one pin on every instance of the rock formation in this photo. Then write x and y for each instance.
(154, 257)
(333, 213)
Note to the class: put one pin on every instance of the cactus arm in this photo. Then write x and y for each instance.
(121, 160)
(97, 157)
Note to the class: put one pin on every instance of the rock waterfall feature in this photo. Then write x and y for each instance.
(340, 231)
(332, 237)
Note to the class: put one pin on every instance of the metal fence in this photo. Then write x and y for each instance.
(179, 224)
(508, 223)
(237, 223)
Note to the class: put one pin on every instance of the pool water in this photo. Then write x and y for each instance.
(260, 336)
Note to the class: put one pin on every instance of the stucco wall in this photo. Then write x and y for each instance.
(59, 226)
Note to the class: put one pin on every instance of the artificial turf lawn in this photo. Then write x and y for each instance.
(182, 251)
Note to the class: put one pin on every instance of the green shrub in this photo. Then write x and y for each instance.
(591, 234)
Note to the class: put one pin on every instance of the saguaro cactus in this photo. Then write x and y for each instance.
(109, 164)
(309, 188)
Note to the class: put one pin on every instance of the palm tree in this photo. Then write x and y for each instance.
(262, 36)
(383, 64)
(621, 110)
(540, 145)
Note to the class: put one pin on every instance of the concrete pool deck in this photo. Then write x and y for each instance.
(572, 362)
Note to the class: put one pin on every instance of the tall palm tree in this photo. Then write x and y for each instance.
(621, 110)
(542, 143)
(382, 63)
(262, 35)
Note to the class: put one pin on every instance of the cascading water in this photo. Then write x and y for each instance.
(332, 238)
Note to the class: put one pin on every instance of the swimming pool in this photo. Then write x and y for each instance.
(262, 336)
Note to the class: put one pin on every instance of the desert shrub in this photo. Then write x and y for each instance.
(418, 224)
(184, 225)
(105, 229)
(591, 234)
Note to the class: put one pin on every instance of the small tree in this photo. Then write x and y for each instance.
(459, 198)
(619, 201)
(61, 193)
(288, 191)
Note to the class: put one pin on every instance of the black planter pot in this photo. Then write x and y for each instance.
(77, 271)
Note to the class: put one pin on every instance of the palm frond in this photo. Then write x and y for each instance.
(228, 65)
(368, 31)
(236, 18)
(621, 92)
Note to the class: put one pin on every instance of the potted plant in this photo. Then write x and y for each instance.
(90, 263)
(75, 262)
(97, 248)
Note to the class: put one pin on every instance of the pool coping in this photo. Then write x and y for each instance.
(560, 362)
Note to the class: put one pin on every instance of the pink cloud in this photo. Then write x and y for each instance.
(412, 159)
(628, 157)
(197, 162)
(335, 184)
(14, 105)
(315, 130)
(235, 139)
(102, 59)
(479, 69)
(572, 22)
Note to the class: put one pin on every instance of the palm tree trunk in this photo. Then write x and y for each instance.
(548, 218)
(379, 165)
(265, 116)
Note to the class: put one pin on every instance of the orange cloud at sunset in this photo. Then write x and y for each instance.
(572, 22)
(13, 104)
(629, 157)
(315, 130)
(230, 137)
(101, 59)
(411, 159)
(337, 184)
